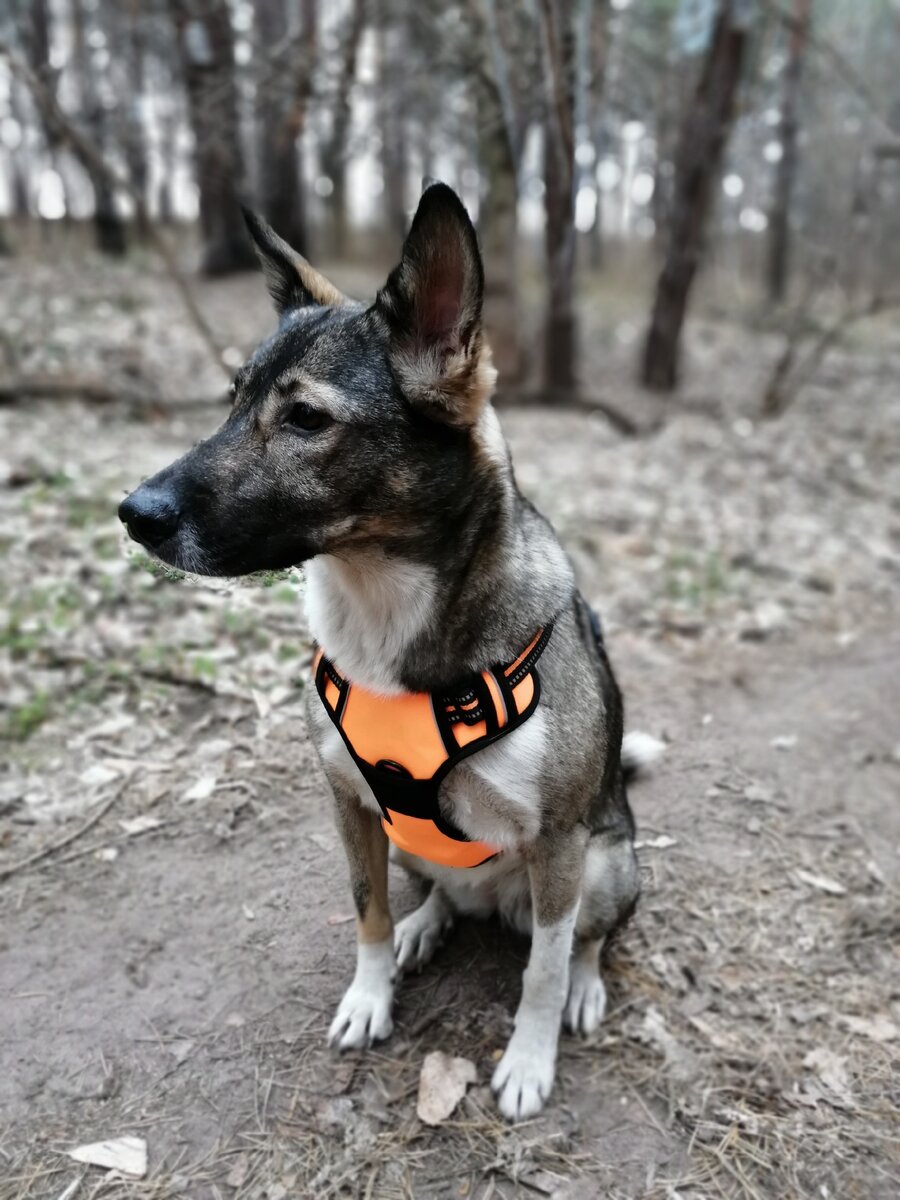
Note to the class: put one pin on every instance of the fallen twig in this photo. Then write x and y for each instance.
(577, 402)
(89, 824)
(56, 387)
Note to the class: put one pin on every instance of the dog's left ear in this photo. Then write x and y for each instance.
(432, 306)
(291, 281)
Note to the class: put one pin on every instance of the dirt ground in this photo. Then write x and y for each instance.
(175, 925)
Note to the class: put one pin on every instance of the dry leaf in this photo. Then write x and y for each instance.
(98, 775)
(831, 886)
(125, 1154)
(202, 789)
(239, 1171)
(786, 741)
(442, 1085)
(111, 727)
(878, 1029)
(134, 825)
(831, 1070)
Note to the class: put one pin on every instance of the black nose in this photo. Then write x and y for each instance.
(150, 515)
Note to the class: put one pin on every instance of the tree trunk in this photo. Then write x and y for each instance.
(281, 118)
(560, 349)
(335, 149)
(165, 187)
(19, 162)
(704, 134)
(109, 225)
(36, 36)
(135, 131)
(598, 62)
(206, 45)
(498, 228)
(389, 64)
(786, 169)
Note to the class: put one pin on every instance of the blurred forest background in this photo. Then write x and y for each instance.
(643, 138)
(690, 214)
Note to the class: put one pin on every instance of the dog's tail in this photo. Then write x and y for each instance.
(639, 752)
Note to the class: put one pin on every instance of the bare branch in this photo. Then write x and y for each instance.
(842, 66)
(787, 378)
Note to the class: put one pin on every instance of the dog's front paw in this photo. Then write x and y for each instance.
(524, 1077)
(364, 1014)
(420, 933)
(586, 1004)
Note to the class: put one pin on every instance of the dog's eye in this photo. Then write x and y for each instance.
(302, 418)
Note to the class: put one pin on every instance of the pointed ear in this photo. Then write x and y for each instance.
(291, 281)
(432, 306)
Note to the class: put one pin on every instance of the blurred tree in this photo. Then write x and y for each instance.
(19, 167)
(129, 27)
(282, 101)
(786, 166)
(560, 40)
(206, 44)
(500, 139)
(336, 146)
(704, 134)
(390, 64)
(95, 107)
(595, 116)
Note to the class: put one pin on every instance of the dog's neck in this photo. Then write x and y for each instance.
(402, 619)
(365, 609)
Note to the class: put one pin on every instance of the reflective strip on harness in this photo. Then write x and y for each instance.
(405, 745)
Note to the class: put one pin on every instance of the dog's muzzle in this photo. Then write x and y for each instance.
(151, 515)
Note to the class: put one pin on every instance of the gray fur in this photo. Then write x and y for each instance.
(403, 491)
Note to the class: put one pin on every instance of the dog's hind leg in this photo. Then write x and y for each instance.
(364, 1014)
(586, 1004)
(420, 933)
(611, 888)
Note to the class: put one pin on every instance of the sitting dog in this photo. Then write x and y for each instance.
(464, 709)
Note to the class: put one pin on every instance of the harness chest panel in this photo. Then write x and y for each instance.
(405, 745)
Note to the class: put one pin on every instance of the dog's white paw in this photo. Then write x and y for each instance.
(420, 933)
(364, 1014)
(524, 1077)
(586, 1005)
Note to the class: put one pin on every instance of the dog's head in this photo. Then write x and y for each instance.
(350, 426)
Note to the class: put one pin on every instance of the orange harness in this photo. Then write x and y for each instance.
(405, 745)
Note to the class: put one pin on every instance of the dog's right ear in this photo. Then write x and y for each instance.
(291, 281)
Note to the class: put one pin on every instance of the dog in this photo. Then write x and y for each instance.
(362, 442)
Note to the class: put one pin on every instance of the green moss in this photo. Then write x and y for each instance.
(204, 667)
(22, 721)
(698, 582)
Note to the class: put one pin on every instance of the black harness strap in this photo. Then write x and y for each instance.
(391, 783)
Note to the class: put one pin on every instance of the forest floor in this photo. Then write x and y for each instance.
(175, 926)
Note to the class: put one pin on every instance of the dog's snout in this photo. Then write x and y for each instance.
(150, 515)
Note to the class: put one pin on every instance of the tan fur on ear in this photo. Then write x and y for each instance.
(456, 388)
(320, 288)
(291, 281)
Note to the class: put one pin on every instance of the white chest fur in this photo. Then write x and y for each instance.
(365, 613)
